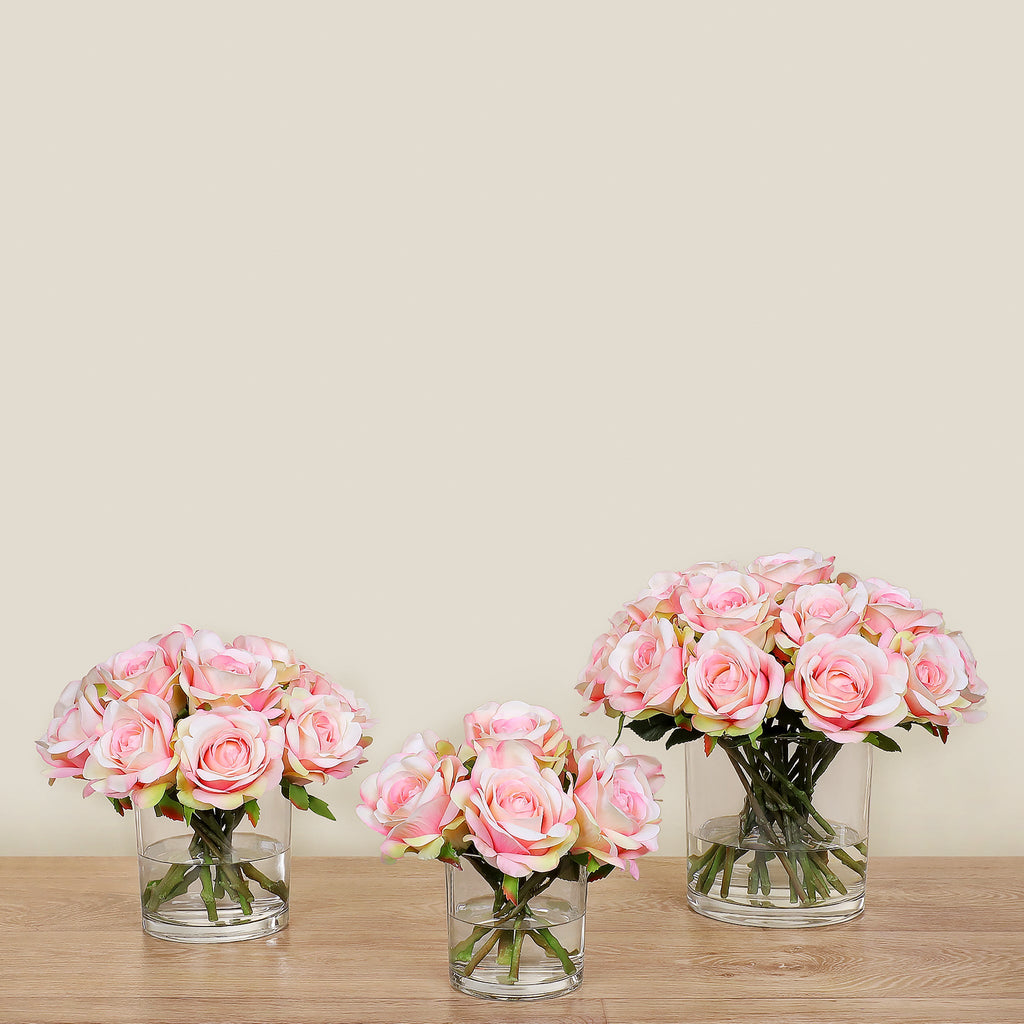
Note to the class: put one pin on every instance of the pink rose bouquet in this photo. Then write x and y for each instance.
(523, 806)
(199, 731)
(784, 649)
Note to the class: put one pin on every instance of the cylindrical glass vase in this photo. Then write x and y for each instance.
(527, 944)
(777, 833)
(218, 878)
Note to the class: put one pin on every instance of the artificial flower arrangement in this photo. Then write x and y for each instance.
(784, 649)
(201, 731)
(523, 807)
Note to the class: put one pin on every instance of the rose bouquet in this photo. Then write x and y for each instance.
(204, 732)
(528, 812)
(782, 665)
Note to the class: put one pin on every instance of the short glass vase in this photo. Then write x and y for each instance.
(219, 878)
(777, 832)
(527, 944)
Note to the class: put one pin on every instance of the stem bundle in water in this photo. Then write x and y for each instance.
(212, 864)
(779, 824)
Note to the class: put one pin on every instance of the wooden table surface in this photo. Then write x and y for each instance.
(942, 940)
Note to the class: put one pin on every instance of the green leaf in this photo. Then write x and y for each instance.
(602, 872)
(318, 806)
(117, 805)
(652, 729)
(252, 811)
(186, 813)
(883, 742)
(709, 744)
(298, 796)
(682, 736)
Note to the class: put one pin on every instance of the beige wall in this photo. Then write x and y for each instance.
(420, 335)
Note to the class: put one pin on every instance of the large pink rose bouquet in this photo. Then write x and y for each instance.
(782, 648)
(200, 730)
(523, 806)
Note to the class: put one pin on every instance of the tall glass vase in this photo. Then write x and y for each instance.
(778, 832)
(522, 945)
(218, 878)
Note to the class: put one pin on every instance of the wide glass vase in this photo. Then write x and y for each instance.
(219, 878)
(527, 944)
(777, 832)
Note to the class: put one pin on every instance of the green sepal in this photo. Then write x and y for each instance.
(298, 796)
(186, 813)
(117, 805)
(448, 854)
(318, 806)
(168, 807)
(252, 811)
(883, 742)
(510, 887)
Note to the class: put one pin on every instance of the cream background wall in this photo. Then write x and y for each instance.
(420, 335)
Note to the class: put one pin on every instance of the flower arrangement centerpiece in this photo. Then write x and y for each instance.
(523, 818)
(788, 669)
(208, 741)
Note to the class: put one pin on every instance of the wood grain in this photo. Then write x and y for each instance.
(942, 942)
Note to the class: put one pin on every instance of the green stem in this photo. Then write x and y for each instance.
(730, 853)
(207, 891)
(517, 952)
(557, 948)
(855, 865)
(278, 889)
(482, 952)
(710, 869)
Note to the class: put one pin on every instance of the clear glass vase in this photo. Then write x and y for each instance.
(777, 833)
(218, 879)
(529, 947)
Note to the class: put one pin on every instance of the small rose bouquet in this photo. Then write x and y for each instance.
(201, 731)
(780, 650)
(522, 806)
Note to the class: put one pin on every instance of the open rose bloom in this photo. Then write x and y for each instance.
(524, 812)
(187, 728)
(780, 665)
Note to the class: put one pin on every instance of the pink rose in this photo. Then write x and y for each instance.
(144, 668)
(846, 687)
(227, 756)
(285, 662)
(213, 673)
(618, 816)
(323, 737)
(893, 608)
(77, 722)
(591, 682)
(535, 727)
(729, 600)
(731, 684)
(318, 684)
(646, 669)
(132, 756)
(976, 689)
(834, 609)
(519, 817)
(938, 677)
(658, 595)
(173, 643)
(789, 569)
(409, 801)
